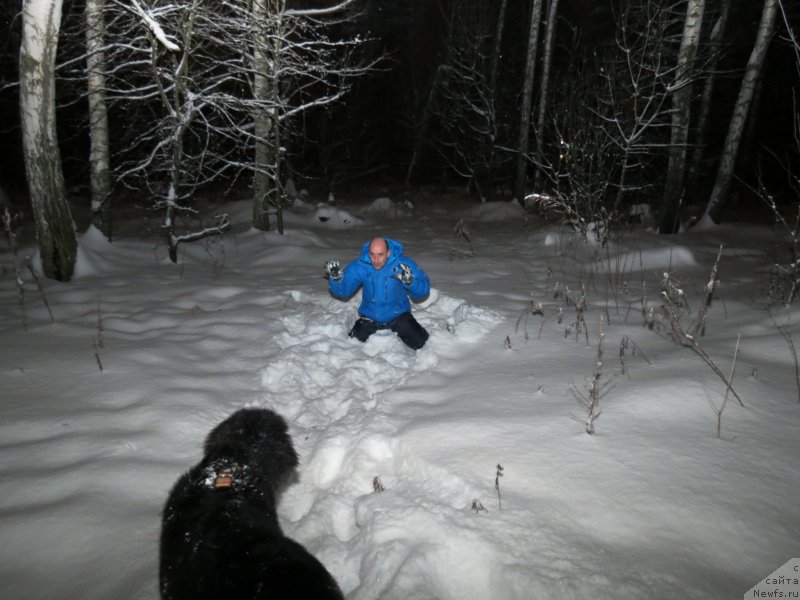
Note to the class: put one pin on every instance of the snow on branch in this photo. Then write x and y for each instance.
(157, 30)
(319, 12)
(223, 224)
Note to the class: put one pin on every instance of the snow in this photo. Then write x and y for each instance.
(653, 505)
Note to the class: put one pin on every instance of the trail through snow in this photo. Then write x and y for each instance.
(337, 393)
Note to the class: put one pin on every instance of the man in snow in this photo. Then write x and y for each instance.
(388, 279)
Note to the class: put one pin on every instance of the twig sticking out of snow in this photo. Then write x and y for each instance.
(626, 344)
(98, 338)
(533, 308)
(498, 475)
(462, 242)
(598, 387)
(477, 506)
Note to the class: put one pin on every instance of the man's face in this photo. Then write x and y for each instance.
(378, 253)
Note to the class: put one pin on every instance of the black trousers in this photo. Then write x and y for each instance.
(405, 326)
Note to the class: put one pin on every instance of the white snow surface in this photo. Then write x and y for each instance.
(653, 505)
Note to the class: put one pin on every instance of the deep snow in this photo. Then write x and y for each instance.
(653, 505)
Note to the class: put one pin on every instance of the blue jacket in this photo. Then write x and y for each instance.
(384, 297)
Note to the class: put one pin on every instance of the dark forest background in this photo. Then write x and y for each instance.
(371, 136)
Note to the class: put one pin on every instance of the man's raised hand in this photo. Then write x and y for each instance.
(405, 275)
(333, 270)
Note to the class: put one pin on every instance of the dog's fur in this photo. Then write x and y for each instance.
(222, 542)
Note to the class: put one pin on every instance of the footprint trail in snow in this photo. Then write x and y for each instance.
(335, 392)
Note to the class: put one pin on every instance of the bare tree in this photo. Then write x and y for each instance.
(609, 129)
(218, 88)
(715, 52)
(547, 64)
(681, 92)
(730, 149)
(55, 230)
(266, 178)
(298, 66)
(498, 43)
(459, 118)
(187, 83)
(494, 69)
(464, 110)
(527, 100)
(785, 278)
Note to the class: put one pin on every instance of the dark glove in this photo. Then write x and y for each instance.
(333, 270)
(405, 275)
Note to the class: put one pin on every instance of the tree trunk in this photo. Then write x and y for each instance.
(730, 149)
(182, 116)
(264, 84)
(493, 70)
(498, 42)
(751, 128)
(55, 231)
(715, 45)
(99, 160)
(681, 104)
(527, 101)
(549, 39)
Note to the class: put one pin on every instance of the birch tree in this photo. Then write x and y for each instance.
(706, 98)
(681, 92)
(55, 231)
(99, 150)
(730, 148)
(544, 87)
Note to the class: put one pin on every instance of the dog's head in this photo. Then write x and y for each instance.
(256, 439)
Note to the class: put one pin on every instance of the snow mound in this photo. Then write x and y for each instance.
(649, 260)
(96, 255)
(496, 211)
(321, 372)
(334, 218)
(385, 207)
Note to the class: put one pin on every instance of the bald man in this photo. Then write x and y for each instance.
(388, 280)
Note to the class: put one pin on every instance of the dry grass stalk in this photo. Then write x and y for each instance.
(12, 242)
(498, 475)
(462, 242)
(669, 319)
(598, 388)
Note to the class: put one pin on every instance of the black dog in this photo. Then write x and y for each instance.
(220, 537)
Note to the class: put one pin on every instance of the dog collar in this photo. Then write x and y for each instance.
(222, 477)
